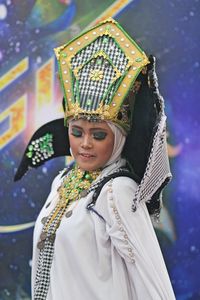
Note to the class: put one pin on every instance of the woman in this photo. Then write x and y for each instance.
(94, 238)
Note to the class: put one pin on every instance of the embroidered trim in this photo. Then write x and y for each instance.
(119, 222)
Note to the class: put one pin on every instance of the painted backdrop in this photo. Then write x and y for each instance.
(30, 96)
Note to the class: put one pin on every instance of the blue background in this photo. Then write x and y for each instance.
(167, 29)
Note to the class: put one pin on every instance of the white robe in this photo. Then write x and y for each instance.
(116, 258)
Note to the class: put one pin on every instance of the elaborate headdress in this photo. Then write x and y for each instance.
(106, 76)
(97, 69)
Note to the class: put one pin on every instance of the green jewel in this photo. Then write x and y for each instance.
(139, 59)
(29, 154)
(50, 151)
(64, 55)
(89, 102)
(105, 40)
(87, 176)
(108, 27)
(48, 136)
(43, 146)
(98, 61)
(30, 147)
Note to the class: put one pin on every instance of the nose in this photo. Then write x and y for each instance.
(86, 142)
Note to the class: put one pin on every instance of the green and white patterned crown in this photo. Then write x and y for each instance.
(97, 70)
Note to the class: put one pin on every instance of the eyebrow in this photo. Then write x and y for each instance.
(91, 129)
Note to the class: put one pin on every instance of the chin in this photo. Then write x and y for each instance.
(88, 167)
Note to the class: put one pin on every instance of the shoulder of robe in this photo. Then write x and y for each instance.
(123, 184)
(120, 184)
(121, 189)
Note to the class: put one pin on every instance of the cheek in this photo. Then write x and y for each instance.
(73, 144)
(106, 149)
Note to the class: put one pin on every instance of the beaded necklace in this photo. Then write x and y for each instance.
(74, 186)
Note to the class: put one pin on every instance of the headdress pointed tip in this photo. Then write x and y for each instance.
(110, 19)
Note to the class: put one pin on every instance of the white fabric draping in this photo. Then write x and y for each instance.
(116, 258)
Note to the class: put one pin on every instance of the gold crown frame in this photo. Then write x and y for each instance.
(79, 56)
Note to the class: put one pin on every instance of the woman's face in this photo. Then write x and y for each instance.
(91, 143)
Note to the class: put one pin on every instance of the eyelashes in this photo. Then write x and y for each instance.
(76, 132)
(97, 135)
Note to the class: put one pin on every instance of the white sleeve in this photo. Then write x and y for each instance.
(133, 236)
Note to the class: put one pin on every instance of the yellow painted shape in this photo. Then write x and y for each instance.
(110, 11)
(17, 227)
(45, 84)
(14, 73)
(17, 120)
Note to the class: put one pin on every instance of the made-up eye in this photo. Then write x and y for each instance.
(99, 135)
(76, 132)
